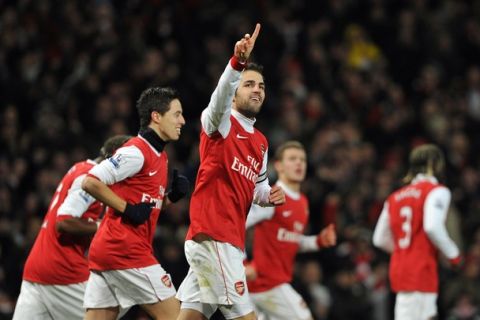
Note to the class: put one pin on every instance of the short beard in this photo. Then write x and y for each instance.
(247, 111)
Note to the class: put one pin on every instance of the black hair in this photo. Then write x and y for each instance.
(112, 144)
(154, 99)
(254, 67)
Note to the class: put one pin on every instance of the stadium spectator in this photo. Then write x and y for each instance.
(316, 290)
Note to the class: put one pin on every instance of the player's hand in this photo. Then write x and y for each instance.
(244, 46)
(250, 272)
(180, 187)
(456, 263)
(277, 196)
(327, 237)
(138, 213)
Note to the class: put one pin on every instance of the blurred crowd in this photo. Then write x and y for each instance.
(358, 82)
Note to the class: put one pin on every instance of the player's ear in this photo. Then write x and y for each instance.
(155, 116)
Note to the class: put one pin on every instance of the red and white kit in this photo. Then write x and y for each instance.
(137, 172)
(232, 174)
(278, 236)
(56, 269)
(412, 228)
(59, 258)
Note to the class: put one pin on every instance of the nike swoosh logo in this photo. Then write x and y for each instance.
(241, 137)
(152, 173)
(287, 213)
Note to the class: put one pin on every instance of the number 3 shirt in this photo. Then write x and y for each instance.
(412, 228)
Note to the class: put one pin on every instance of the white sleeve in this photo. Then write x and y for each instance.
(382, 236)
(258, 214)
(126, 162)
(435, 211)
(308, 243)
(262, 187)
(77, 201)
(216, 117)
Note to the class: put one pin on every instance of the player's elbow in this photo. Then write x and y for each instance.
(381, 243)
(377, 240)
(430, 230)
(378, 244)
(88, 184)
(61, 227)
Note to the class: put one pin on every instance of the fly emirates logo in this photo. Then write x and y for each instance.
(294, 236)
(149, 199)
(249, 171)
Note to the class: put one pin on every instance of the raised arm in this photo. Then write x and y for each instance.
(216, 117)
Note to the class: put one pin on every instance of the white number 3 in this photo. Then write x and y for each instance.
(406, 214)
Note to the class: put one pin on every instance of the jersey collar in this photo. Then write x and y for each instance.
(245, 122)
(423, 177)
(153, 139)
(295, 195)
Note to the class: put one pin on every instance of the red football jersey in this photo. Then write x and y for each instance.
(413, 264)
(118, 244)
(59, 258)
(226, 179)
(276, 243)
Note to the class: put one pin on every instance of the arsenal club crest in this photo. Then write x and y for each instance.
(166, 281)
(240, 287)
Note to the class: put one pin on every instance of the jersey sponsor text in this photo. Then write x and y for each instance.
(407, 193)
(244, 169)
(288, 236)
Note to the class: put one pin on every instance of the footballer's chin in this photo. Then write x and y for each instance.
(251, 110)
(175, 135)
(255, 105)
(298, 178)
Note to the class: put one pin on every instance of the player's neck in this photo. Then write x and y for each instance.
(292, 185)
(153, 138)
(98, 159)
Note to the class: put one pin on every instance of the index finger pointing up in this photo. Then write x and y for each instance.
(256, 32)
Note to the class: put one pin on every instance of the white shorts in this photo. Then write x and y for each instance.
(39, 301)
(281, 303)
(415, 305)
(216, 279)
(129, 287)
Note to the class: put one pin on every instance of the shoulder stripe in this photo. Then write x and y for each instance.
(260, 181)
